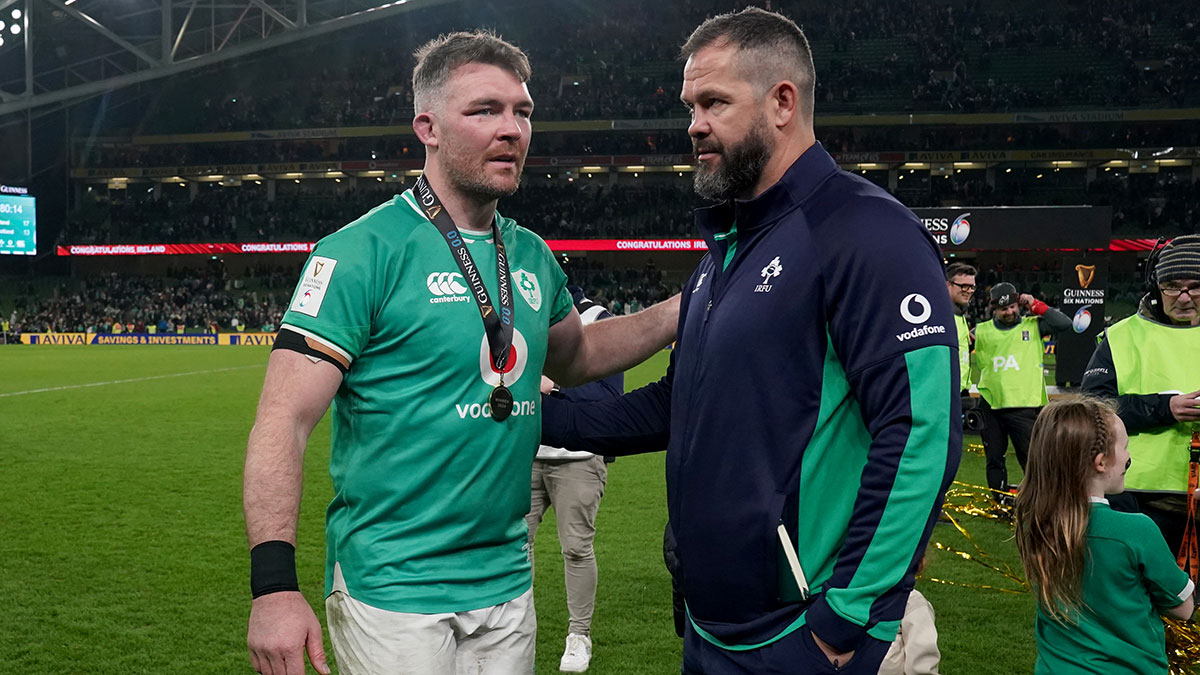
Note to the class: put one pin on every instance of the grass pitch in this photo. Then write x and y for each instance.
(123, 548)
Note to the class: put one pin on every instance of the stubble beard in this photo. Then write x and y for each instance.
(476, 185)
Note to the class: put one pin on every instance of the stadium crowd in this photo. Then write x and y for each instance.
(187, 298)
(570, 210)
(582, 208)
(837, 139)
(620, 63)
(193, 300)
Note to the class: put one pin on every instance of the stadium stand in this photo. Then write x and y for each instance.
(185, 298)
(1062, 101)
(619, 63)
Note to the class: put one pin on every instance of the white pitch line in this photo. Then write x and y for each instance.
(135, 379)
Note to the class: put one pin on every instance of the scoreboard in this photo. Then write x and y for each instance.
(18, 225)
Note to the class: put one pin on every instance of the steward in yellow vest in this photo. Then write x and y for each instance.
(1008, 353)
(1150, 363)
(960, 282)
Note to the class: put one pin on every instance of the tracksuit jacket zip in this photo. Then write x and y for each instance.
(814, 383)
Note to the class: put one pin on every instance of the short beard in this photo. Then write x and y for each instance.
(739, 168)
(477, 188)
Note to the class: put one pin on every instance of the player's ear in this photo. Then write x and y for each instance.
(426, 128)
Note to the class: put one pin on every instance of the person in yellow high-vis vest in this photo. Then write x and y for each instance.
(960, 281)
(1150, 363)
(1008, 353)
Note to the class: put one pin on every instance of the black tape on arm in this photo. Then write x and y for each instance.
(273, 568)
(293, 341)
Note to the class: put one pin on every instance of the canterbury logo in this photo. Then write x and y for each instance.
(1086, 274)
(445, 283)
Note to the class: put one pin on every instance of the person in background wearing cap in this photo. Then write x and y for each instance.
(1008, 353)
(1146, 362)
(573, 483)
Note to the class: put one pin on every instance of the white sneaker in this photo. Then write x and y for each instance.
(577, 655)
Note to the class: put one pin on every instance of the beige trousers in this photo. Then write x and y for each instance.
(574, 489)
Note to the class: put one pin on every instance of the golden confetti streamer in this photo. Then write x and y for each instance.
(985, 560)
(1183, 646)
(978, 586)
(978, 501)
(975, 501)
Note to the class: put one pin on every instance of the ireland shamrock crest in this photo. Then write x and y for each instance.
(527, 286)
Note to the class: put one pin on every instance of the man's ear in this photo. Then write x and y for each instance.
(426, 128)
(785, 99)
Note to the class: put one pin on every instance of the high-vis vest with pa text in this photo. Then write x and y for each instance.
(1010, 364)
(1152, 358)
(964, 351)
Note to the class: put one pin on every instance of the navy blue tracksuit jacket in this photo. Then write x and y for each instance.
(814, 383)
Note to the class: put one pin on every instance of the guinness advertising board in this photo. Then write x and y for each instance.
(998, 228)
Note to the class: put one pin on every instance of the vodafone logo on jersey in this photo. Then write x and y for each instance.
(446, 287)
(518, 356)
(924, 311)
(915, 309)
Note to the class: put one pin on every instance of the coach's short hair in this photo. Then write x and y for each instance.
(955, 269)
(771, 48)
(439, 57)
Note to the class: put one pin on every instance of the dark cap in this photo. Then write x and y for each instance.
(1003, 294)
(1179, 259)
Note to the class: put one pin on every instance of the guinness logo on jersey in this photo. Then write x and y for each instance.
(313, 285)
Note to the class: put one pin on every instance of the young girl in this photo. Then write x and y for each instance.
(1101, 577)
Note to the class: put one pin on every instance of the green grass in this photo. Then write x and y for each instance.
(122, 546)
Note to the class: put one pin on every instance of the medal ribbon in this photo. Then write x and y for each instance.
(497, 325)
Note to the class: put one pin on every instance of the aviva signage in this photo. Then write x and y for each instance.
(247, 339)
(54, 338)
(227, 339)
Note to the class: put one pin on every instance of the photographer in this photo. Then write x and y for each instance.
(1146, 363)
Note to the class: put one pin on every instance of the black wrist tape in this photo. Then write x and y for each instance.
(273, 568)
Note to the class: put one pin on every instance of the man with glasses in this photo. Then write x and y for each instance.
(960, 281)
(1146, 362)
(1009, 355)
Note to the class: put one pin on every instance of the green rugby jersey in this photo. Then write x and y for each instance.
(430, 493)
(1130, 576)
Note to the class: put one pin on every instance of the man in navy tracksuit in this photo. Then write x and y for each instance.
(810, 412)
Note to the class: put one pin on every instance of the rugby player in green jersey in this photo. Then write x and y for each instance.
(427, 324)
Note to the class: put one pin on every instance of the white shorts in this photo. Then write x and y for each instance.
(497, 640)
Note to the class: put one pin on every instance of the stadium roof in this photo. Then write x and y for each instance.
(54, 53)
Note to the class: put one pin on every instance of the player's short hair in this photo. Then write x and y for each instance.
(438, 58)
(771, 48)
(959, 268)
